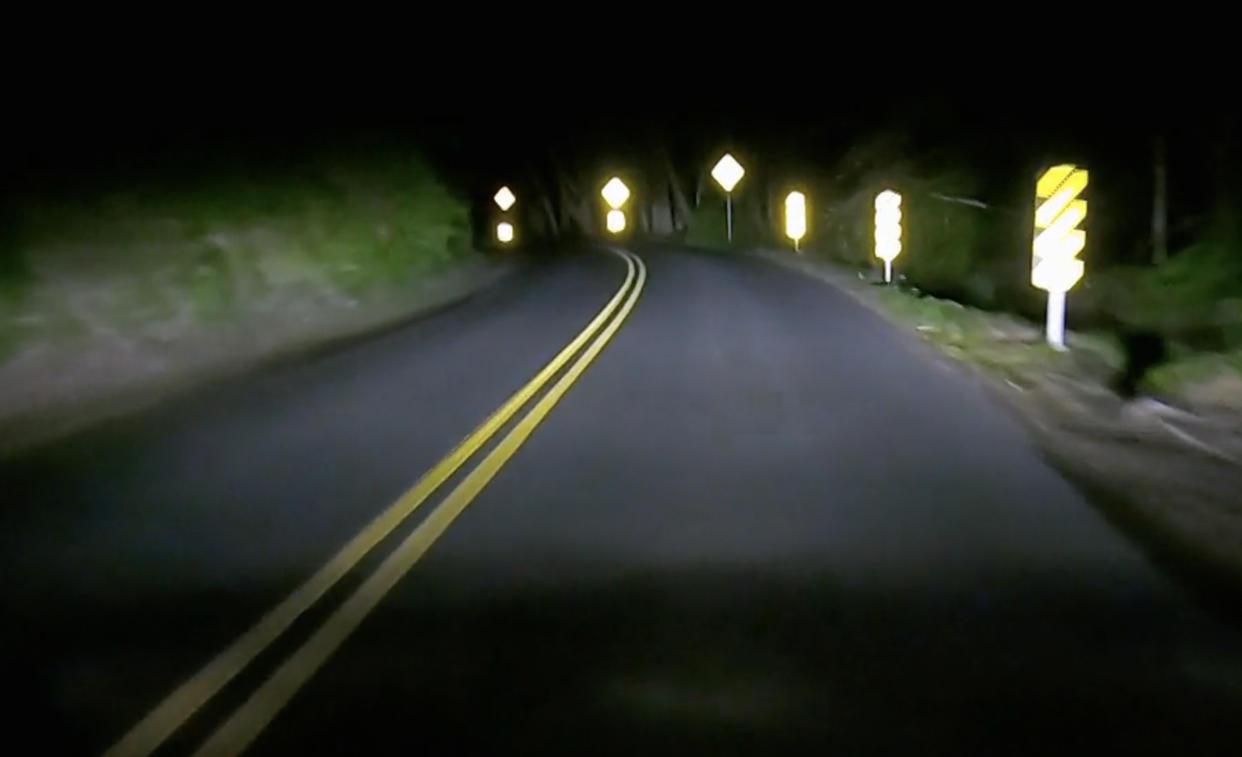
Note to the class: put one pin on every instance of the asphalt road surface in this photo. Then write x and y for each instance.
(743, 516)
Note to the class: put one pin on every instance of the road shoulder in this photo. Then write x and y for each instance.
(1166, 476)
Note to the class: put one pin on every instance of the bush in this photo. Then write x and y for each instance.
(944, 244)
(1194, 298)
(708, 224)
(949, 249)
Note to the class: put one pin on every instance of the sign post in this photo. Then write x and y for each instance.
(728, 172)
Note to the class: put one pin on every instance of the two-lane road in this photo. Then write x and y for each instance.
(736, 513)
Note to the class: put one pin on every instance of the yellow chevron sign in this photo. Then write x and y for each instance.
(1058, 240)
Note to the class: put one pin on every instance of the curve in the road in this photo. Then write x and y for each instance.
(246, 723)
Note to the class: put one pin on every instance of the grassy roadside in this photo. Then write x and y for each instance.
(126, 258)
(1007, 346)
(111, 296)
(1203, 379)
(1166, 476)
(79, 385)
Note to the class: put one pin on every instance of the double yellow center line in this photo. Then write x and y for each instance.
(245, 724)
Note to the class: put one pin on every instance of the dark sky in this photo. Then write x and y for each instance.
(483, 120)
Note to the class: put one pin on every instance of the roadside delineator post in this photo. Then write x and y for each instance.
(887, 230)
(615, 193)
(504, 199)
(1055, 266)
(795, 217)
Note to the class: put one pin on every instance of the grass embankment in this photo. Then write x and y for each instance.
(131, 259)
(1002, 343)
(1195, 301)
(708, 226)
(108, 289)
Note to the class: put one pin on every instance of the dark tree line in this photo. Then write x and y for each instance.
(1158, 183)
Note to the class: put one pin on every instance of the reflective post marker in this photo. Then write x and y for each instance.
(887, 230)
(615, 193)
(504, 199)
(795, 217)
(1055, 266)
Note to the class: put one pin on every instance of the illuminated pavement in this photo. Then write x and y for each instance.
(761, 522)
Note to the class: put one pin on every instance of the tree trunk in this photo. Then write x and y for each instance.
(546, 203)
(549, 213)
(679, 207)
(1227, 200)
(1159, 203)
(570, 200)
(660, 209)
(770, 199)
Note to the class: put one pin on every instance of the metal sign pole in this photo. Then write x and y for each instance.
(729, 213)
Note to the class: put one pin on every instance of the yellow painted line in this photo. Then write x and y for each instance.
(249, 720)
(145, 737)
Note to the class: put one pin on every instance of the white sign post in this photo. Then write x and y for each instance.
(1055, 327)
